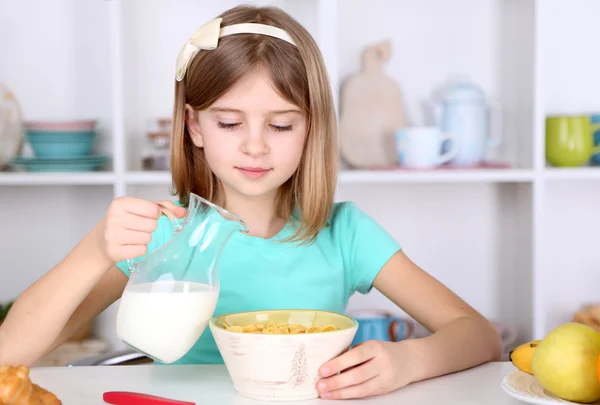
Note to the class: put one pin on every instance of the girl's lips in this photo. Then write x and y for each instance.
(253, 172)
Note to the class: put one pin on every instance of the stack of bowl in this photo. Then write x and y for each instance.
(61, 139)
(61, 146)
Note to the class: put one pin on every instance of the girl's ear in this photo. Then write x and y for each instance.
(193, 126)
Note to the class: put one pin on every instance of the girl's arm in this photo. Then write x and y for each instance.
(82, 285)
(58, 304)
(461, 338)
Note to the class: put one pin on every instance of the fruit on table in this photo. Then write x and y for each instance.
(565, 363)
(598, 368)
(521, 356)
(589, 315)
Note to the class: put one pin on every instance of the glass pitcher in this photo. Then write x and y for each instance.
(172, 293)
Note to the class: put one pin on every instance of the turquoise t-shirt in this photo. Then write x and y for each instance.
(259, 274)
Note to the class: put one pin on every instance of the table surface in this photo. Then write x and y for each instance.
(210, 384)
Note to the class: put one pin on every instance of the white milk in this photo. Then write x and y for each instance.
(165, 318)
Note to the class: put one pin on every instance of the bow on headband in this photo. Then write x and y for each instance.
(207, 38)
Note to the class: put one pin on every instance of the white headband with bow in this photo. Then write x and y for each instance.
(207, 38)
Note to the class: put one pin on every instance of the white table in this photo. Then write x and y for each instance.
(211, 385)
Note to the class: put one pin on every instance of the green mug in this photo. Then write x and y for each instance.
(569, 140)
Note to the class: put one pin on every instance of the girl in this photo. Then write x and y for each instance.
(254, 130)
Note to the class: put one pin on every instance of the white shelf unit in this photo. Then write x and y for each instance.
(586, 173)
(499, 238)
(53, 179)
(373, 176)
(162, 178)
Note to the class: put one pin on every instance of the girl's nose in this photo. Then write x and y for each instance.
(255, 144)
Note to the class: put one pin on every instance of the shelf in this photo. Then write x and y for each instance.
(346, 177)
(575, 173)
(485, 224)
(437, 176)
(150, 177)
(383, 176)
(48, 179)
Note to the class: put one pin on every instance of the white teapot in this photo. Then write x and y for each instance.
(464, 112)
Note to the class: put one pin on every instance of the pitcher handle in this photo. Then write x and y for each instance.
(176, 227)
(174, 220)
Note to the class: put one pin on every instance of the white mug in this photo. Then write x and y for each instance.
(421, 147)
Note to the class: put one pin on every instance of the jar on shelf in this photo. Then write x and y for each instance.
(164, 124)
(156, 155)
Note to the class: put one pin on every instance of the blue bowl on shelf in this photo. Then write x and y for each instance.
(61, 143)
(61, 164)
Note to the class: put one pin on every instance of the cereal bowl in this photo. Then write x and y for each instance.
(276, 354)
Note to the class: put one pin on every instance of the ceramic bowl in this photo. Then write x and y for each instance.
(61, 143)
(75, 125)
(280, 367)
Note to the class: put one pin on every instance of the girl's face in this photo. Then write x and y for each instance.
(252, 137)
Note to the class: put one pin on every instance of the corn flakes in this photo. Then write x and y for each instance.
(273, 328)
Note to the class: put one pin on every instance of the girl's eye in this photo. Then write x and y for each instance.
(228, 125)
(281, 128)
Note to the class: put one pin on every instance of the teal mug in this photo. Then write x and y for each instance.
(381, 325)
(595, 118)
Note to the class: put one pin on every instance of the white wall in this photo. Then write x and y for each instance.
(570, 74)
(470, 236)
(55, 60)
(473, 237)
(424, 218)
(434, 41)
(39, 225)
(573, 261)
(569, 83)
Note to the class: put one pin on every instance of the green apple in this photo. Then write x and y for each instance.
(565, 362)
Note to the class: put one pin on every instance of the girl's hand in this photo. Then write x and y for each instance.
(371, 368)
(127, 228)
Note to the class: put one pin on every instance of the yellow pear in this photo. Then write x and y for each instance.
(565, 361)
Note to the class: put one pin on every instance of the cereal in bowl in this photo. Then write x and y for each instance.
(279, 329)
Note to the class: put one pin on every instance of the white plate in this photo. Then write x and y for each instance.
(525, 387)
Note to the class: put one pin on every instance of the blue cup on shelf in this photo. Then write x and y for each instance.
(381, 325)
(595, 159)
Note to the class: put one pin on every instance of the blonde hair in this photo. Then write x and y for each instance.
(298, 74)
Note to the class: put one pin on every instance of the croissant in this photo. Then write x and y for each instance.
(17, 389)
(588, 315)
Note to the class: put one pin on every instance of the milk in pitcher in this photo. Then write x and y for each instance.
(164, 319)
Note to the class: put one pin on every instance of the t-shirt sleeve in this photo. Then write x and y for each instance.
(366, 246)
(163, 233)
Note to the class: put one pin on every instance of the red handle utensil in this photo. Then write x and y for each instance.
(137, 398)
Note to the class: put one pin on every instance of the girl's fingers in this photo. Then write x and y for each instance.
(178, 211)
(128, 237)
(353, 357)
(371, 387)
(133, 251)
(353, 376)
(137, 206)
(140, 224)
